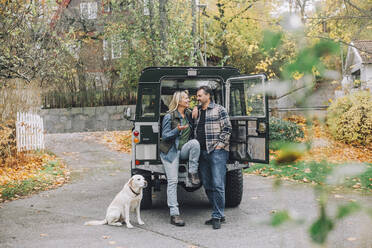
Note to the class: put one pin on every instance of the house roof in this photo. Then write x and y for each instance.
(365, 50)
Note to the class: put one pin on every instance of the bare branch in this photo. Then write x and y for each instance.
(366, 12)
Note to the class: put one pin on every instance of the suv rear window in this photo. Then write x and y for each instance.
(169, 86)
(148, 102)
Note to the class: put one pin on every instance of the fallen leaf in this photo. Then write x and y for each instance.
(351, 239)
(112, 242)
(339, 196)
(357, 186)
(254, 198)
(43, 235)
(106, 237)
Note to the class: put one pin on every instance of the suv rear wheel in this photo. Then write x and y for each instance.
(234, 188)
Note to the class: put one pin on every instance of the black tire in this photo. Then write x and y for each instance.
(146, 202)
(234, 188)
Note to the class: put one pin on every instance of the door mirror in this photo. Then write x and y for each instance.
(127, 113)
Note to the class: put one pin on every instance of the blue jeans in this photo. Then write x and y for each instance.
(191, 151)
(213, 174)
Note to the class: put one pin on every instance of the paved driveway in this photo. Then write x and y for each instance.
(55, 218)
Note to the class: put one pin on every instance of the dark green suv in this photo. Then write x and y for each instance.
(243, 98)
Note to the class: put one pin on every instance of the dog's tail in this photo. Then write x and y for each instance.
(95, 222)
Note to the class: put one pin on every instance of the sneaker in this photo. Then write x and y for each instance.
(216, 223)
(194, 178)
(209, 222)
(177, 221)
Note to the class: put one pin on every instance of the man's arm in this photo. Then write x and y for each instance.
(195, 112)
(224, 136)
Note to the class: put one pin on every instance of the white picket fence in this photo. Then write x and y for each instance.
(30, 132)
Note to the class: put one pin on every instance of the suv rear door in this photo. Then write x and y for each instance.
(247, 105)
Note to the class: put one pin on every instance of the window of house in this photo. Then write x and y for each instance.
(88, 10)
(116, 46)
(146, 10)
(106, 50)
(112, 48)
(73, 49)
(106, 6)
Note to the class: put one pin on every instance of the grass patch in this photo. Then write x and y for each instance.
(311, 172)
(51, 175)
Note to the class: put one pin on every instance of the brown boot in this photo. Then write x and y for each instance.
(177, 221)
(194, 178)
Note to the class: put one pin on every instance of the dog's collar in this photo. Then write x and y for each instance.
(134, 192)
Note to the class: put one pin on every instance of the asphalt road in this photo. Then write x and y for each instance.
(55, 218)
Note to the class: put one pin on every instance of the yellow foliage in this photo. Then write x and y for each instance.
(350, 118)
(297, 75)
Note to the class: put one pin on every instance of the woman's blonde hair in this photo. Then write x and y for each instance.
(177, 96)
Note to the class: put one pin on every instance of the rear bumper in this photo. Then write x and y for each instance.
(183, 168)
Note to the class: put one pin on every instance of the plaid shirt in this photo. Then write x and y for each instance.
(217, 127)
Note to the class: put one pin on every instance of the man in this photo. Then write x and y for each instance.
(213, 129)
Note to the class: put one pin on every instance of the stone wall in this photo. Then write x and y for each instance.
(106, 118)
(316, 103)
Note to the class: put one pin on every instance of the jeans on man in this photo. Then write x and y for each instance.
(190, 150)
(213, 174)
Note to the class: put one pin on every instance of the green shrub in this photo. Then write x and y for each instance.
(349, 118)
(283, 131)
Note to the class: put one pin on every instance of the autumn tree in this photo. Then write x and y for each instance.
(30, 52)
(153, 33)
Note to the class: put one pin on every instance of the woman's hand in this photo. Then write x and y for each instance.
(194, 114)
(180, 128)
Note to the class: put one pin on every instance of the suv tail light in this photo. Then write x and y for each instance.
(135, 134)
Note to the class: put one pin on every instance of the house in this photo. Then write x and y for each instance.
(358, 68)
(96, 53)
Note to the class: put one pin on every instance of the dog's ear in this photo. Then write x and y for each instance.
(130, 183)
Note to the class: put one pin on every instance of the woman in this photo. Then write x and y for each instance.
(177, 144)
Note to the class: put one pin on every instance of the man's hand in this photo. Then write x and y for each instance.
(194, 114)
(219, 147)
(180, 128)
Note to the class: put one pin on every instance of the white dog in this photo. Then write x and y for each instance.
(128, 199)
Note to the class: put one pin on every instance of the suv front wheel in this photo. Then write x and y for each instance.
(234, 188)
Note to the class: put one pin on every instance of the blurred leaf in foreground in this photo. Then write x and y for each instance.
(347, 209)
(290, 152)
(319, 230)
(279, 218)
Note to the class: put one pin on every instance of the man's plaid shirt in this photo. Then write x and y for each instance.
(217, 127)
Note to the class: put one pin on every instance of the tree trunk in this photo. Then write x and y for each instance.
(223, 26)
(154, 48)
(163, 26)
(193, 31)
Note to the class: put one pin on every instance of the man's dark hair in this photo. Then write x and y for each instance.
(207, 90)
